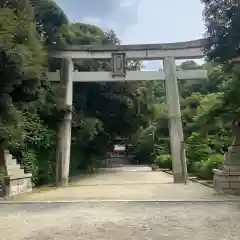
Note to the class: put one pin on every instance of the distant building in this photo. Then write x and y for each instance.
(119, 151)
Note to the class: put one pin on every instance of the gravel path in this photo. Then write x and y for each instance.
(187, 215)
(128, 183)
(121, 221)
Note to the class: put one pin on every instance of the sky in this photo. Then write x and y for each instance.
(141, 21)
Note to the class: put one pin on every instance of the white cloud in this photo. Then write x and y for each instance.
(141, 21)
(92, 20)
(128, 3)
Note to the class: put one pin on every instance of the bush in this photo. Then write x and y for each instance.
(198, 150)
(164, 161)
(204, 169)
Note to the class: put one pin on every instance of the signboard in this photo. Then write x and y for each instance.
(118, 65)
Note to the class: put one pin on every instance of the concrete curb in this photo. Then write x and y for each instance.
(190, 179)
(122, 201)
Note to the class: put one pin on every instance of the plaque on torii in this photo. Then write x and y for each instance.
(118, 64)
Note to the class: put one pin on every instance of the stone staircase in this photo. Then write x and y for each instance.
(116, 161)
(16, 181)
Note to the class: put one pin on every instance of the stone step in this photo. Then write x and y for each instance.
(11, 161)
(111, 164)
(116, 161)
(15, 171)
(110, 160)
(21, 176)
(17, 166)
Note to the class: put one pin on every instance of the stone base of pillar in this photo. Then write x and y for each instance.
(178, 178)
(227, 180)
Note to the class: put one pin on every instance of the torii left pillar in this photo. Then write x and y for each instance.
(65, 127)
(175, 124)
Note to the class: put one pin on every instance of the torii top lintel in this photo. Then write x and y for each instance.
(179, 50)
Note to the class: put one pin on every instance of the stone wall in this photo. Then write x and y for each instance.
(227, 180)
(15, 180)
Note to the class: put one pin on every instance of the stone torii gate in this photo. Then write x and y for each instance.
(167, 52)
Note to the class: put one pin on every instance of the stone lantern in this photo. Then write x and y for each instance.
(227, 179)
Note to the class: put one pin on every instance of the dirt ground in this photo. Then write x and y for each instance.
(127, 183)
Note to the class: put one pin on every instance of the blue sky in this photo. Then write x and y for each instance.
(141, 21)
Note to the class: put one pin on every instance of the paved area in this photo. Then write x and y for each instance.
(188, 214)
(127, 183)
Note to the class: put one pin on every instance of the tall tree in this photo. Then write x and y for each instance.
(222, 19)
(50, 20)
(22, 62)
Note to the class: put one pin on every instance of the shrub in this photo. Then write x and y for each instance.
(164, 161)
(204, 169)
(198, 150)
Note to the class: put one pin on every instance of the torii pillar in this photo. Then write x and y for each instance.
(65, 127)
(178, 157)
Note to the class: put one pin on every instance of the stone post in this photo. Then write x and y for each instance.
(64, 132)
(175, 124)
(227, 178)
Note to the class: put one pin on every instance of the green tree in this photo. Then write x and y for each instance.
(50, 20)
(22, 66)
(223, 29)
(222, 19)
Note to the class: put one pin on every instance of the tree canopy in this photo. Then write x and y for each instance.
(223, 30)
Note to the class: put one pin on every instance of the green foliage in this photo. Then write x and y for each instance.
(21, 69)
(51, 21)
(30, 106)
(204, 168)
(198, 149)
(208, 125)
(222, 20)
(164, 161)
(144, 151)
(31, 164)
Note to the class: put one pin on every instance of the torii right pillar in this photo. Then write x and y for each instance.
(178, 157)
